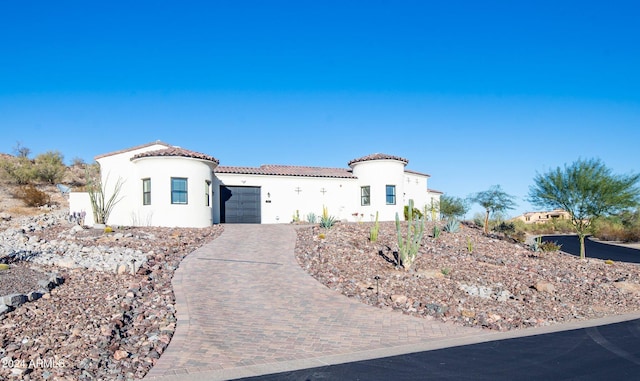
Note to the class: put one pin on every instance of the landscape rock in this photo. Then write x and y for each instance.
(90, 319)
(545, 287)
(399, 299)
(499, 286)
(633, 288)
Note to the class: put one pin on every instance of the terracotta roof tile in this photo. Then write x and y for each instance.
(132, 149)
(176, 151)
(435, 191)
(288, 170)
(378, 156)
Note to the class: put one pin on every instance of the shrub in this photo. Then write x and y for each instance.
(312, 218)
(326, 221)
(415, 212)
(631, 235)
(18, 170)
(550, 246)
(33, 197)
(49, 167)
(409, 244)
(505, 227)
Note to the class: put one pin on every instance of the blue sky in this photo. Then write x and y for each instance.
(473, 93)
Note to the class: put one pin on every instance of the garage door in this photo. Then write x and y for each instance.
(239, 205)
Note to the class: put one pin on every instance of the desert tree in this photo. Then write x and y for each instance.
(21, 151)
(493, 200)
(453, 207)
(587, 190)
(50, 167)
(19, 170)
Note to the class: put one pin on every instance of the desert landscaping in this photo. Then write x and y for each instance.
(86, 303)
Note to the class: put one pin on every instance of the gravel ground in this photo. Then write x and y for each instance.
(103, 326)
(97, 326)
(468, 278)
(21, 278)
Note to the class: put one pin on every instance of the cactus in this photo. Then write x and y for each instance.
(537, 244)
(408, 246)
(452, 226)
(373, 234)
(436, 232)
(469, 245)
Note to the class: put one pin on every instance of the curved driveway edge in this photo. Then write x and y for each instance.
(245, 307)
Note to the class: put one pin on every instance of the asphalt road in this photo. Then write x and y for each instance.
(571, 245)
(608, 352)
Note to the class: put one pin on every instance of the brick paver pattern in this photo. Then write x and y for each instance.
(243, 300)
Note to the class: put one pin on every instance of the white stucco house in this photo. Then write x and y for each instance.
(169, 186)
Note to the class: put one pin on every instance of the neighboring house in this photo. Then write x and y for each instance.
(169, 186)
(542, 217)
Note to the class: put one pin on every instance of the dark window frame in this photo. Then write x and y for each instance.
(391, 195)
(365, 200)
(178, 194)
(146, 191)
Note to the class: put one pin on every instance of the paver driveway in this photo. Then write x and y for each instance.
(245, 307)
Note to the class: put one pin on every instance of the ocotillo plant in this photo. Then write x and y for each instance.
(408, 246)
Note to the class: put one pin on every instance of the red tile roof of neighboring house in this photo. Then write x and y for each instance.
(176, 151)
(288, 170)
(378, 156)
(132, 149)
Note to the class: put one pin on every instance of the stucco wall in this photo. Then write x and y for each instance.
(282, 197)
(338, 196)
(161, 212)
(378, 174)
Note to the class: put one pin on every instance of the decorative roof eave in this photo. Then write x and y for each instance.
(417, 173)
(176, 152)
(435, 191)
(132, 149)
(288, 170)
(378, 156)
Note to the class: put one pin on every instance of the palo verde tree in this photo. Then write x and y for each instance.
(494, 200)
(50, 167)
(453, 207)
(587, 190)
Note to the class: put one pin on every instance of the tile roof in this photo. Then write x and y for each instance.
(176, 151)
(378, 156)
(417, 173)
(132, 149)
(435, 191)
(288, 170)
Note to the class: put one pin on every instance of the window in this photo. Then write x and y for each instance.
(178, 190)
(391, 194)
(146, 191)
(207, 191)
(365, 196)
